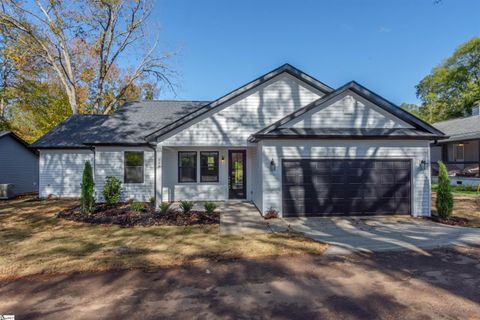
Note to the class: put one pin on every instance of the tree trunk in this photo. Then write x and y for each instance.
(72, 99)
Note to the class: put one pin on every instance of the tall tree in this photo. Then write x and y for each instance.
(82, 41)
(453, 87)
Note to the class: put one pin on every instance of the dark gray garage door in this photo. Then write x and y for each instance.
(345, 187)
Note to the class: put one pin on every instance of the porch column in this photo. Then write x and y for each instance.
(158, 175)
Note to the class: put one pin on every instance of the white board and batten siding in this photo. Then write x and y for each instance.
(348, 110)
(61, 171)
(414, 150)
(109, 161)
(232, 123)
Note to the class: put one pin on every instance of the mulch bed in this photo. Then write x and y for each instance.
(452, 221)
(121, 214)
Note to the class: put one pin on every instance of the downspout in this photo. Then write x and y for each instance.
(154, 173)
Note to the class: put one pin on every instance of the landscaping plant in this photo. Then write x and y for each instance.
(87, 199)
(444, 201)
(210, 207)
(186, 206)
(137, 206)
(165, 207)
(271, 213)
(112, 190)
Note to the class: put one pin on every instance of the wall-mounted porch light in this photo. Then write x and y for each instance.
(423, 164)
(272, 165)
(223, 159)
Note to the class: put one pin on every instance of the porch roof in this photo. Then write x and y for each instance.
(460, 129)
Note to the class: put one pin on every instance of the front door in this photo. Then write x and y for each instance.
(237, 176)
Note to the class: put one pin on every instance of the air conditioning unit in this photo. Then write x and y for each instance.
(6, 191)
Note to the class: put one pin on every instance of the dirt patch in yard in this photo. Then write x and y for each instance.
(439, 284)
(123, 215)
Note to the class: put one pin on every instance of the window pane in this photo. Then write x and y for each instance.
(133, 159)
(134, 175)
(209, 167)
(187, 166)
(133, 172)
(187, 174)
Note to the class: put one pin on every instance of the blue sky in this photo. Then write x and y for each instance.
(386, 45)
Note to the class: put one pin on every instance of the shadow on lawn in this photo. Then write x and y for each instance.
(364, 286)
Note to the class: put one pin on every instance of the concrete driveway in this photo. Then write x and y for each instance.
(375, 234)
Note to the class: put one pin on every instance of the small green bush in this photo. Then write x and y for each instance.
(210, 207)
(444, 201)
(112, 190)
(186, 206)
(87, 198)
(137, 206)
(152, 201)
(165, 207)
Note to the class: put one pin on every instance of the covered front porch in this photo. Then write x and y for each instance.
(462, 159)
(205, 173)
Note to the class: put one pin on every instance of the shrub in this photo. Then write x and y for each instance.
(186, 206)
(111, 190)
(152, 202)
(165, 207)
(210, 207)
(444, 201)
(87, 199)
(271, 214)
(137, 206)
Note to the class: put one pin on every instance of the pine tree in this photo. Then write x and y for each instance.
(444, 201)
(87, 200)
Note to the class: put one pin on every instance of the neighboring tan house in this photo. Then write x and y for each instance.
(461, 151)
(284, 141)
(18, 166)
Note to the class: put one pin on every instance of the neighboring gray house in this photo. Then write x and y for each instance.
(285, 141)
(18, 166)
(461, 151)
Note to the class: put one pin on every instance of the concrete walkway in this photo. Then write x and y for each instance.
(376, 234)
(238, 217)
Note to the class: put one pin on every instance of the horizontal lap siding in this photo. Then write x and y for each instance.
(18, 166)
(232, 123)
(414, 150)
(61, 172)
(110, 162)
(361, 114)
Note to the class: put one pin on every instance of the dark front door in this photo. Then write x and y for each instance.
(345, 187)
(237, 175)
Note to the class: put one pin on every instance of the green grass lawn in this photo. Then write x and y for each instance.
(34, 241)
(460, 190)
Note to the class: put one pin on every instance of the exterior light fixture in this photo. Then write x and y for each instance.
(272, 165)
(423, 164)
(223, 159)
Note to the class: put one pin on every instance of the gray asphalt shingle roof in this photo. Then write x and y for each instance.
(460, 129)
(71, 133)
(128, 125)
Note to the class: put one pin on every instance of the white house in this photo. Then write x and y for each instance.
(284, 141)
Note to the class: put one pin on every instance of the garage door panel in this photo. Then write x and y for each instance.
(345, 187)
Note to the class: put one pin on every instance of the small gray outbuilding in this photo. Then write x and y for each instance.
(18, 166)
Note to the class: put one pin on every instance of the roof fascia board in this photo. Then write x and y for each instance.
(346, 137)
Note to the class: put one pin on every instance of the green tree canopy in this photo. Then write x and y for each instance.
(453, 87)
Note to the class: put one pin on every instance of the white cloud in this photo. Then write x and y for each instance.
(383, 29)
